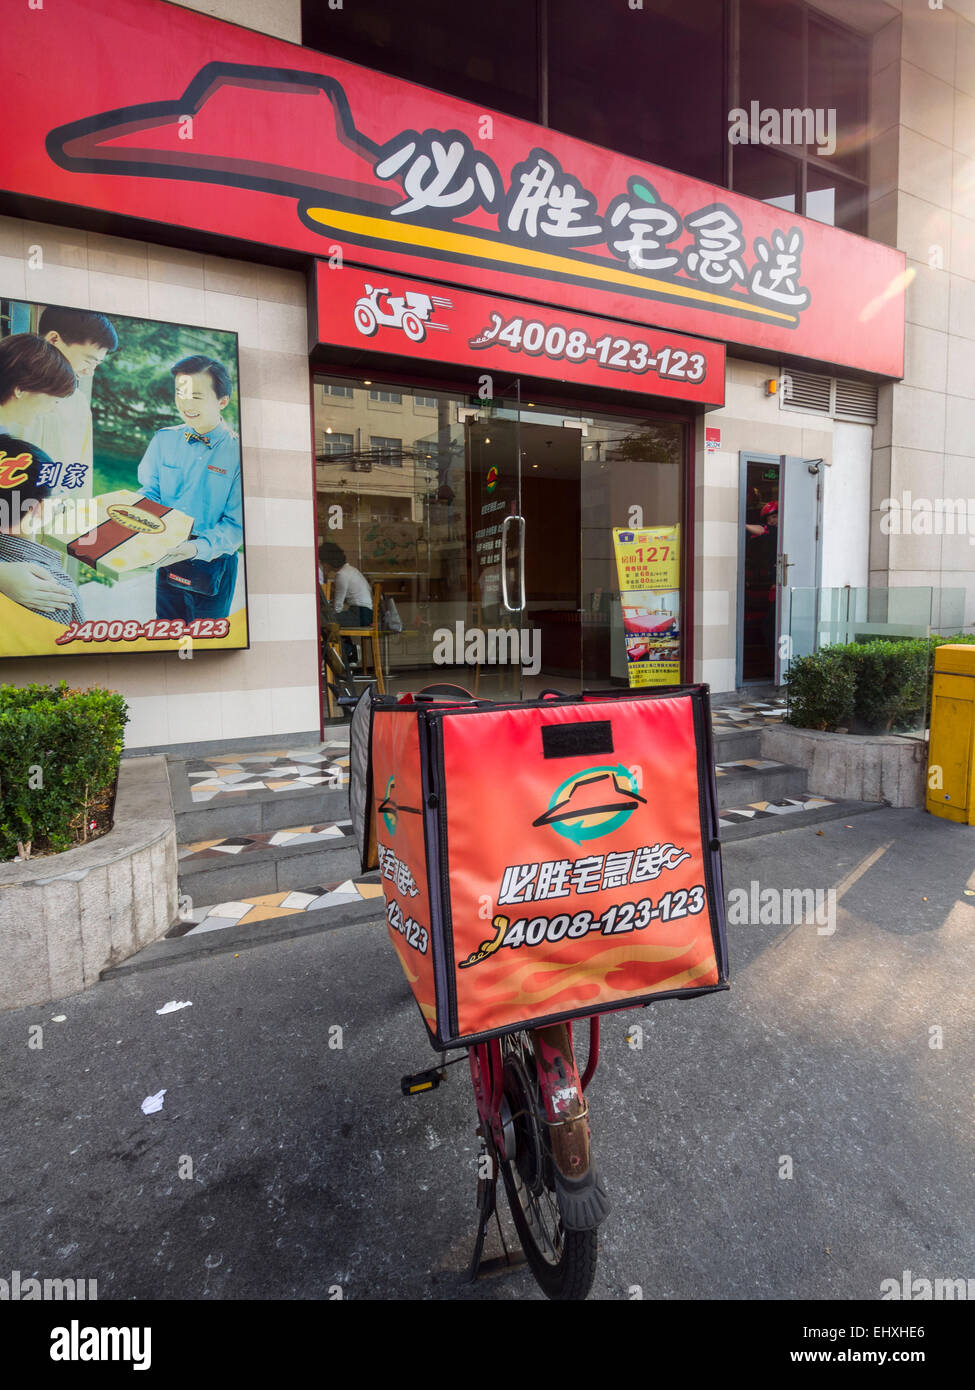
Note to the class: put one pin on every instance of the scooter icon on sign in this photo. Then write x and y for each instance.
(410, 311)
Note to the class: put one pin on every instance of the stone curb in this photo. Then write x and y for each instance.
(856, 767)
(66, 917)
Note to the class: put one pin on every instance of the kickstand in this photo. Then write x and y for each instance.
(487, 1206)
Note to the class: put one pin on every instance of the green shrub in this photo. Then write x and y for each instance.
(874, 686)
(821, 689)
(59, 756)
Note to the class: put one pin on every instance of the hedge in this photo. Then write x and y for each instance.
(59, 757)
(878, 686)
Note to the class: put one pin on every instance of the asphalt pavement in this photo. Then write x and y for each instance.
(805, 1135)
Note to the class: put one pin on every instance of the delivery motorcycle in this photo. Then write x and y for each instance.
(532, 1108)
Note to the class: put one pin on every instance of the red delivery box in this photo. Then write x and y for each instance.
(543, 861)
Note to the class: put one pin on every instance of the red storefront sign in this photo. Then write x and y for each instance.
(428, 322)
(169, 116)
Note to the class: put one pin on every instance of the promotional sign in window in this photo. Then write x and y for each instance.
(648, 565)
(121, 508)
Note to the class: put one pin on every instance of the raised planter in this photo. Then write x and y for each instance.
(856, 767)
(66, 917)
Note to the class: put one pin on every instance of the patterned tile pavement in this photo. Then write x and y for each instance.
(266, 906)
(281, 769)
(744, 766)
(751, 714)
(243, 844)
(759, 810)
(275, 770)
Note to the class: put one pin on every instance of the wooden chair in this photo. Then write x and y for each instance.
(372, 632)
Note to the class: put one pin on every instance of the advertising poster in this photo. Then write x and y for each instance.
(121, 507)
(648, 566)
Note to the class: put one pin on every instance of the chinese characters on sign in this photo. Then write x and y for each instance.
(558, 878)
(444, 178)
(406, 181)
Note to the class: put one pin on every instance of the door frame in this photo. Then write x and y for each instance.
(782, 601)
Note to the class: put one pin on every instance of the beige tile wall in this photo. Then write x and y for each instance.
(272, 688)
(754, 422)
(923, 190)
(282, 18)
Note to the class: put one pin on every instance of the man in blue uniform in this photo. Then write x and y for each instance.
(195, 467)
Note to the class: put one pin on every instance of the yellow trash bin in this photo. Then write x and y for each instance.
(951, 752)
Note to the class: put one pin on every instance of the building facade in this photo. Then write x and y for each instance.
(489, 334)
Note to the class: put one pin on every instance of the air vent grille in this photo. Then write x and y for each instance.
(826, 395)
(856, 400)
(804, 391)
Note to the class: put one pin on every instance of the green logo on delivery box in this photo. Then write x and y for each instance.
(592, 803)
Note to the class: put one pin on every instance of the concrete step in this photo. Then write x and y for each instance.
(740, 783)
(744, 743)
(770, 823)
(259, 792)
(216, 929)
(240, 866)
(256, 813)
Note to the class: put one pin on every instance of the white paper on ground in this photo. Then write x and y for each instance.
(153, 1103)
(175, 1004)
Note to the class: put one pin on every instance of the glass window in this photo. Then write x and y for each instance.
(770, 54)
(837, 201)
(486, 57)
(331, 389)
(388, 451)
(425, 402)
(389, 397)
(761, 173)
(333, 444)
(838, 81)
(814, 76)
(647, 82)
(429, 531)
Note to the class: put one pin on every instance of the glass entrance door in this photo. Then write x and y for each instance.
(487, 528)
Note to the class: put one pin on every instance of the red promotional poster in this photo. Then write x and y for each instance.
(414, 318)
(596, 887)
(170, 117)
(121, 486)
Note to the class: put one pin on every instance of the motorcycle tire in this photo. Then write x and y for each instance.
(562, 1261)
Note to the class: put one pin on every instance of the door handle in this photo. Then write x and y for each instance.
(505, 598)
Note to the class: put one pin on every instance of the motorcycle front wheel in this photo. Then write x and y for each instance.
(563, 1262)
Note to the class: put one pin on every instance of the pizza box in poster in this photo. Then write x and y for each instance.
(129, 533)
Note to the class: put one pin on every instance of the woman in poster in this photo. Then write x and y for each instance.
(34, 376)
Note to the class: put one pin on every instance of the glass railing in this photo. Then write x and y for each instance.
(879, 692)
